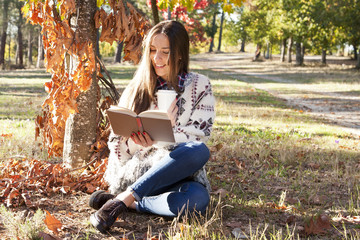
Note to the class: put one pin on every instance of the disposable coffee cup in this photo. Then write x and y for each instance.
(165, 98)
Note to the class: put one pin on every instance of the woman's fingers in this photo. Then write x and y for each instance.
(148, 139)
(142, 139)
(172, 112)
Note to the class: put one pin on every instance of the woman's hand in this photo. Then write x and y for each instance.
(142, 139)
(172, 112)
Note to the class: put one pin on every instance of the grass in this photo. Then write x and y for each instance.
(264, 154)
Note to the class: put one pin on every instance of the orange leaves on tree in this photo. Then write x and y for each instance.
(61, 41)
(118, 26)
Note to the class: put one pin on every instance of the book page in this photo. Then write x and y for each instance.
(158, 129)
(122, 110)
(154, 114)
(122, 123)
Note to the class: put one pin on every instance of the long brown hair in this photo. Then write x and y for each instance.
(141, 89)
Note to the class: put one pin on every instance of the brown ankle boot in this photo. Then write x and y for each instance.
(105, 217)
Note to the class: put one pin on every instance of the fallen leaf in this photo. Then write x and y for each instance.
(221, 192)
(318, 225)
(52, 223)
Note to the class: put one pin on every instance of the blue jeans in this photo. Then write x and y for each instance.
(165, 189)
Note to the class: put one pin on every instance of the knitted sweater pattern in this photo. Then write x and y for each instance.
(129, 161)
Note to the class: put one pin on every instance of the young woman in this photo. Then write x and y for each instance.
(167, 180)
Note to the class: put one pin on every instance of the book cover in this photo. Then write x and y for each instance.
(155, 122)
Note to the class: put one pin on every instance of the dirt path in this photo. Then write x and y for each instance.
(336, 103)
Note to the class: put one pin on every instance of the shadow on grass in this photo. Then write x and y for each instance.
(18, 89)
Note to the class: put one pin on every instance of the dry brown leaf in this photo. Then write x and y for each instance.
(52, 223)
(318, 225)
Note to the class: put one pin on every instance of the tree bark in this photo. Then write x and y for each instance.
(257, 52)
(283, 50)
(267, 55)
(30, 62)
(155, 12)
(323, 56)
(5, 20)
(355, 52)
(358, 61)
(40, 56)
(242, 48)
(299, 59)
(19, 60)
(213, 32)
(169, 13)
(289, 50)
(221, 30)
(117, 57)
(80, 129)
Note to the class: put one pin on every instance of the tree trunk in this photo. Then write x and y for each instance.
(299, 58)
(117, 57)
(5, 20)
(221, 30)
(30, 62)
(257, 52)
(283, 47)
(20, 45)
(323, 56)
(155, 12)
(97, 43)
(358, 61)
(355, 52)
(169, 13)
(213, 32)
(80, 129)
(242, 48)
(40, 56)
(289, 50)
(267, 55)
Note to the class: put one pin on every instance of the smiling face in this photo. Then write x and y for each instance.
(159, 54)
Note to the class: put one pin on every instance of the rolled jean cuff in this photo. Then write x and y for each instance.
(135, 195)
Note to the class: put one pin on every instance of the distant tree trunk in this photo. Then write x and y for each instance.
(242, 48)
(289, 50)
(20, 46)
(155, 12)
(80, 129)
(9, 49)
(358, 61)
(267, 55)
(40, 56)
(5, 19)
(257, 52)
(97, 43)
(169, 13)
(355, 52)
(323, 56)
(117, 57)
(213, 31)
(299, 59)
(221, 30)
(30, 62)
(283, 50)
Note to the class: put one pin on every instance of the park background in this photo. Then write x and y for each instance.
(285, 146)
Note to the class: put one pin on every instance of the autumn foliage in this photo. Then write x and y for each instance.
(61, 41)
(22, 178)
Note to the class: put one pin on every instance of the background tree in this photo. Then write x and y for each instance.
(4, 26)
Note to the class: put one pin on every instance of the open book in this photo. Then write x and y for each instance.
(155, 122)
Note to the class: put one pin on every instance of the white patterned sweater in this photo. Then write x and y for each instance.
(129, 161)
